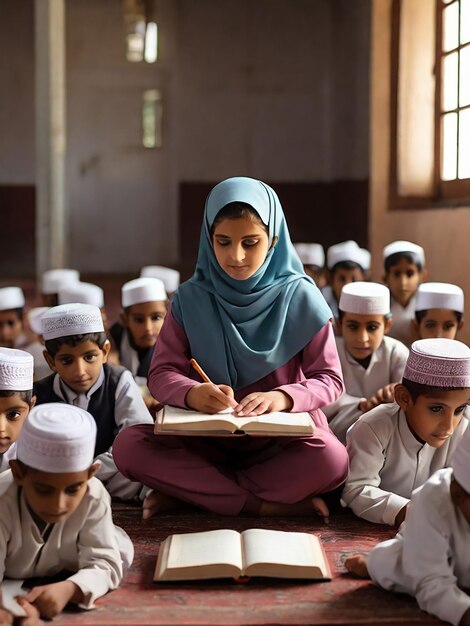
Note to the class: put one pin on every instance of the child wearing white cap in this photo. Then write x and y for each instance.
(346, 263)
(404, 266)
(77, 352)
(394, 448)
(52, 281)
(144, 308)
(169, 276)
(56, 517)
(12, 304)
(16, 399)
(312, 256)
(429, 557)
(439, 310)
(372, 363)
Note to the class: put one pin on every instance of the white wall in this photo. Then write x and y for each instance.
(276, 89)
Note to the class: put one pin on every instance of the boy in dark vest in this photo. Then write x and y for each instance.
(77, 351)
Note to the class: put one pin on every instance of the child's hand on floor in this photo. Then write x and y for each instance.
(50, 600)
(381, 396)
(210, 398)
(258, 403)
(32, 614)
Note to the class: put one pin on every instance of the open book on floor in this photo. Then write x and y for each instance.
(176, 421)
(229, 554)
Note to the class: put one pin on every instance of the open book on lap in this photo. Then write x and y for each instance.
(176, 421)
(229, 554)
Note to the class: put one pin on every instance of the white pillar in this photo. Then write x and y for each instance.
(50, 134)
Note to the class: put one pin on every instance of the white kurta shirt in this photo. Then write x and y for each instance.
(403, 328)
(6, 456)
(87, 542)
(386, 366)
(387, 462)
(129, 409)
(430, 556)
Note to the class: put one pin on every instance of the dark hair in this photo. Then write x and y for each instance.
(19, 312)
(26, 396)
(420, 315)
(394, 259)
(341, 313)
(346, 265)
(233, 211)
(417, 389)
(53, 345)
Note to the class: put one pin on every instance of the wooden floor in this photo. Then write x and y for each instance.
(344, 600)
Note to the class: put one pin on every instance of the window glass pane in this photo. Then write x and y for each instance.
(152, 117)
(450, 82)
(151, 42)
(464, 144)
(450, 36)
(449, 146)
(464, 21)
(464, 96)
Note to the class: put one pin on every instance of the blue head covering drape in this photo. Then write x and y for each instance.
(241, 330)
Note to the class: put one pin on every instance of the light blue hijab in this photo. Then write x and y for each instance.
(241, 330)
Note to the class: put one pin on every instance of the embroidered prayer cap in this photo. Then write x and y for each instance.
(439, 363)
(365, 298)
(460, 461)
(16, 370)
(57, 437)
(439, 296)
(71, 319)
(310, 253)
(35, 318)
(11, 298)
(347, 251)
(169, 276)
(53, 280)
(404, 246)
(143, 290)
(85, 293)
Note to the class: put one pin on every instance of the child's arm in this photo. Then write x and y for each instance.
(342, 414)
(50, 600)
(362, 491)
(384, 395)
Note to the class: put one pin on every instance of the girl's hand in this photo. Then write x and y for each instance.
(50, 600)
(210, 398)
(263, 402)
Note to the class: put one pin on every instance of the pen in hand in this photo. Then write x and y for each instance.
(206, 379)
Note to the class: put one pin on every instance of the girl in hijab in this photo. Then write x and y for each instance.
(259, 327)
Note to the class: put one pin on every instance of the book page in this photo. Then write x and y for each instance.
(10, 590)
(279, 553)
(205, 548)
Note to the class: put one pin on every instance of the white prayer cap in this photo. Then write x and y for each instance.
(404, 246)
(365, 298)
(71, 319)
(35, 318)
(439, 363)
(311, 253)
(143, 290)
(11, 298)
(460, 461)
(169, 276)
(85, 293)
(54, 280)
(57, 437)
(348, 251)
(439, 296)
(16, 370)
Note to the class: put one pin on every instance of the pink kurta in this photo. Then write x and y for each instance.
(232, 475)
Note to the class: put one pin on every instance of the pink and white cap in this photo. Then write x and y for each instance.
(439, 363)
(365, 298)
(16, 370)
(71, 319)
(310, 253)
(57, 437)
(460, 461)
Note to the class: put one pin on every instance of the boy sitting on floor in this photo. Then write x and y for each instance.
(394, 448)
(77, 351)
(439, 310)
(372, 363)
(56, 518)
(16, 399)
(429, 557)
